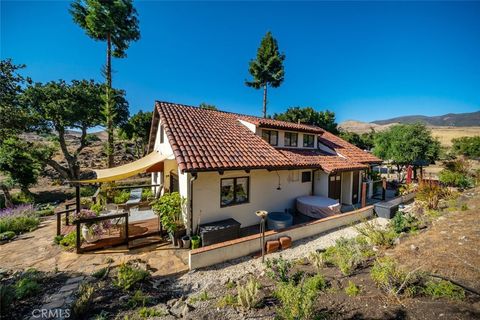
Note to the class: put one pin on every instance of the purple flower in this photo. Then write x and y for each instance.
(17, 211)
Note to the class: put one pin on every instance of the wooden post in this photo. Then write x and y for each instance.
(384, 188)
(77, 197)
(364, 194)
(59, 224)
(126, 229)
(78, 238)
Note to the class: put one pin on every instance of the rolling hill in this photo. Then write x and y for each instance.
(450, 119)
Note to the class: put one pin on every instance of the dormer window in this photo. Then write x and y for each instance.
(271, 136)
(291, 139)
(308, 140)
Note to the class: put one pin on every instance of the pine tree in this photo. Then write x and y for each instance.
(113, 21)
(267, 69)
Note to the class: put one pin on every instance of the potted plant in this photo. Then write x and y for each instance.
(91, 231)
(169, 208)
(186, 242)
(195, 242)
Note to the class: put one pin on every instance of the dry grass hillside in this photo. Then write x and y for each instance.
(443, 133)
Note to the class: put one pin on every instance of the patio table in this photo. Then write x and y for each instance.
(317, 206)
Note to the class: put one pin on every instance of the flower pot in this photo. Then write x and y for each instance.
(87, 235)
(195, 242)
(186, 242)
(177, 237)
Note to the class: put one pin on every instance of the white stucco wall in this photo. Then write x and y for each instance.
(347, 187)
(321, 183)
(263, 195)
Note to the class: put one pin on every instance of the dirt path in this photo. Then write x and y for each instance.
(36, 250)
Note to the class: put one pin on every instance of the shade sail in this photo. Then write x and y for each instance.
(127, 170)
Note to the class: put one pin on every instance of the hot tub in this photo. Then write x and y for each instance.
(279, 220)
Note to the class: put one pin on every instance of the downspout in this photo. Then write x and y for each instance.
(193, 178)
(313, 180)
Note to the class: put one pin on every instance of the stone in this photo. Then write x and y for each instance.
(413, 247)
(54, 304)
(69, 287)
(272, 246)
(285, 242)
(74, 280)
(186, 309)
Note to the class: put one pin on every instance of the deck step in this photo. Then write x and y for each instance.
(143, 242)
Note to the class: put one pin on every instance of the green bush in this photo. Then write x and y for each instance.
(127, 276)
(352, 290)
(45, 212)
(69, 242)
(247, 296)
(467, 146)
(22, 198)
(7, 294)
(442, 288)
(28, 284)
(455, 179)
(87, 191)
(227, 300)
(83, 301)
(139, 299)
(169, 207)
(377, 236)
(403, 222)
(147, 193)
(389, 277)
(278, 269)
(121, 196)
(7, 235)
(100, 273)
(151, 312)
(19, 224)
(297, 300)
(347, 254)
(96, 207)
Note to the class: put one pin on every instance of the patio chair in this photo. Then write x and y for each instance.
(135, 198)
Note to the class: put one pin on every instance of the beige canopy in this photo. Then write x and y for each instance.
(130, 169)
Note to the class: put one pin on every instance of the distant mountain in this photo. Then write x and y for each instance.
(451, 119)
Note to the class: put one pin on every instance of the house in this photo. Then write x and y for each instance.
(229, 165)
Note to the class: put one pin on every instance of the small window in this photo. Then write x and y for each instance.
(306, 176)
(290, 139)
(308, 140)
(293, 176)
(162, 135)
(271, 136)
(234, 191)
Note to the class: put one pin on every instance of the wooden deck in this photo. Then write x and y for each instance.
(140, 233)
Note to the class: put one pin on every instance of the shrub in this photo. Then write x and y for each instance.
(346, 254)
(22, 198)
(297, 300)
(317, 259)
(68, 242)
(87, 191)
(389, 277)
(127, 276)
(169, 207)
(7, 293)
(430, 195)
(121, 196)
(83, 301)
(455, 179)
(138, 299)
(352, 290)
(147, 193)
(227, 300)
(404, 222)
(377, 236)
(27, 285)
(18, 219)
(464, 207)
(7, 235)
(151, 312)
(467, 146)
(247, 294)
(442, 288)
(100, 273)
(97, 208)
(278, 268)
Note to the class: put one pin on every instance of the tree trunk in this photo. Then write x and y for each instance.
(108, 113)
(8, 196)
(265, 101)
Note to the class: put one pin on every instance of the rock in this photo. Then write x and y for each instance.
(413, 247)
(396, 241)
(171, 302)
(375, 248)
(186, 309)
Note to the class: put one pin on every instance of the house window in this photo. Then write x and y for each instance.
(271, 136)
(162, 137)
(306, 176)
(308, 140)
(293, 176)
(290, 139)
(234, 191)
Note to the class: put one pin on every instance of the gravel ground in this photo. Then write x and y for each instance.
(199, 280)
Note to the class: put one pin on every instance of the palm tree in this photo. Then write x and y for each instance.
(113, 21)
(267, 69)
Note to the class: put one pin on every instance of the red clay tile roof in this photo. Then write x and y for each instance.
(204, 140)
(346, 149)
(316, 158)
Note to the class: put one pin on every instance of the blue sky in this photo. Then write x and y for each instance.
(362, 60)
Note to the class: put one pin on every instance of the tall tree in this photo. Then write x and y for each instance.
(113, 21)
(308, 115)
(207, 106)
(13, 118)
(137, 128)
(267, 69)
(407, 144)
(59, 106)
